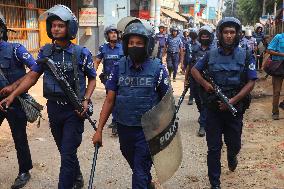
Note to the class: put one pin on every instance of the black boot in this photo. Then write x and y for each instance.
(21, 180)
(215, 187)
(79, 182)
(201, 132)
(232, 162)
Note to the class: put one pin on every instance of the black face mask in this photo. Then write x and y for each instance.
(205, 42)
(137, 54)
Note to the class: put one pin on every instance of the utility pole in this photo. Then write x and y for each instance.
(220, 9)
(233, 7)
(264, 8)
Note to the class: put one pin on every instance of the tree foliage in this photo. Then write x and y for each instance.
(249, 11)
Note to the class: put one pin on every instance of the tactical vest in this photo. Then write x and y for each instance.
(110, 57)
(258, 37)
(136, 92)
(200, 53)
(9, 67)
(63, 61)
(161, 38)
(227, 71)
(174, 44)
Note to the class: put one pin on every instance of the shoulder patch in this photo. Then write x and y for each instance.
(252, 66)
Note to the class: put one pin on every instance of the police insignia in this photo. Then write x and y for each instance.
(26, 55)
(90, 65)
(166, 81)
(252, 66)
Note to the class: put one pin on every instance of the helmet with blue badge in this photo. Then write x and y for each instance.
(229, 22)
(109, 29)
(3, 28)
(61, 12)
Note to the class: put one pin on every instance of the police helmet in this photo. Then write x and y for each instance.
(138, 29)
(3, 31)
(61, 12)
(174, 28)
(248, 33)
(193, 33)
(206, 30)
(229, 22)
(108, 29)
(258, 25)
(161, 26)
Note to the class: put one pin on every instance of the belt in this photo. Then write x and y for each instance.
(172, 52)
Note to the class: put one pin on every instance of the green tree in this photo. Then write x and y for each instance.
(249, 11)
(229, 9)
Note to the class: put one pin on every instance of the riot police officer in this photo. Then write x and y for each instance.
(76, 63)
(185, 39)
(205, 38)
(233, 69)
(174, 49)
(191, 48)
(258, 35)
(161, 38)
(109, 52)
(137, 83)
(13, 59)
(248, 42)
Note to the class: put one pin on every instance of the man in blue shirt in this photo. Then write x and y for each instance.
(276, 49)
(174, 49)
(110, 52)
(136, 84)
(67, 125)
(233, 70)
(161, 37)
(13, 59)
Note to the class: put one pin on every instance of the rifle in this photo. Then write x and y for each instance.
(218, 92)
(66, 87)
(75, 102)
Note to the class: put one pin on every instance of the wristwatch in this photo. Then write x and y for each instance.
(85, 98)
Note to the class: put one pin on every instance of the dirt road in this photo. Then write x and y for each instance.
(261, 161)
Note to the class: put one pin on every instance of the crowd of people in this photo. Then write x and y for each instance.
(136, 80)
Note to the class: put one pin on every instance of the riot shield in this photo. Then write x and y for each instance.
(163, 137)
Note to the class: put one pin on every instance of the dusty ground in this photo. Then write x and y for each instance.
(261, 161)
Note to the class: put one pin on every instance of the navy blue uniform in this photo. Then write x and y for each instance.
(195, 90)
(174, 44)
(223, 122)
(137, 91)
(161, 38)
(109, 56)
(191, 49)
(185, 40)
(13, 59)
(66, 126)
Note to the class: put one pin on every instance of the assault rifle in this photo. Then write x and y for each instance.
(66, 87)
(218, 92)
(74, 100)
